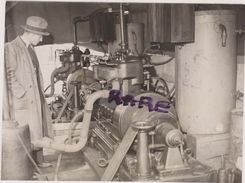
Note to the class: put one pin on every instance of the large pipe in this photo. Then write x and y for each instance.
(49, 143)
(74, 119)
(123, 44)
(53, 75)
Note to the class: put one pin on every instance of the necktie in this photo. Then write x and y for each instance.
(35, 64)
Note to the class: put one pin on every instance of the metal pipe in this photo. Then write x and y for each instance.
(76, 95)
(75, 33)
(49, 143)
(123, 44)
(53, 75)
(64, 107)
(74, 119)
(76, 99)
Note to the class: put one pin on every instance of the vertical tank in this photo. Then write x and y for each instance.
(15, 163)
(206, 74)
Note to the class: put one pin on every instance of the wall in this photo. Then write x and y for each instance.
(59, 16)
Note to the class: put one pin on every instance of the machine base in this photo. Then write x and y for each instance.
(194, 172)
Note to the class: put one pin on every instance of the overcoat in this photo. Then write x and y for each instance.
(24, 96)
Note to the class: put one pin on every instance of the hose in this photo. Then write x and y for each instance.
(161, 63)
(53, 75)
(171, 94)
(49, 86)
(164, 84)
(49, 143)
(74, 119)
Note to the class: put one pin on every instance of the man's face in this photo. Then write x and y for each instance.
(36, 39)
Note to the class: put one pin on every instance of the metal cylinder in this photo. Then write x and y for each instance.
(143, 161)
(15, 162)
(122, 28)
(135, 32)
(76, 85)
(236, 134)
(143, 165)
(168, 134)
(206, 74)
(222, 178)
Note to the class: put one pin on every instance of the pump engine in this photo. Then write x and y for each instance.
(128, 133)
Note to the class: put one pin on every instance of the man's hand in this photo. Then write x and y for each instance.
(44, 142)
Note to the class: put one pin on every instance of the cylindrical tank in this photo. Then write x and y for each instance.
(15, 162)
(135, 39)
(236, 134)
(206, 74)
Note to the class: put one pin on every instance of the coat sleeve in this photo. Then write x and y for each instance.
(11, 65)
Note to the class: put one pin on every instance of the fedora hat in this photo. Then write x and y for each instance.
(36, 25)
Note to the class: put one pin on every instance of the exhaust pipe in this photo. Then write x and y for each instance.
(49, 143)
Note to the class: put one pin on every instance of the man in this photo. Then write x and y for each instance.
(25, 84)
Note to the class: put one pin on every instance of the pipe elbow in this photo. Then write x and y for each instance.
(49, 143)
(77, 147)
(95, 96)
(69, 147)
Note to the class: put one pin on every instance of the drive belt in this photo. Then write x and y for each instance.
(119, 155)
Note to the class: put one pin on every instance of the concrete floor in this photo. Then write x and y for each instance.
(72, 168)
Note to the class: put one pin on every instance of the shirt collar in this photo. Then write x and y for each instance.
(26, 44)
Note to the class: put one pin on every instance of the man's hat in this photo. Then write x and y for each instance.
(36, 25)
